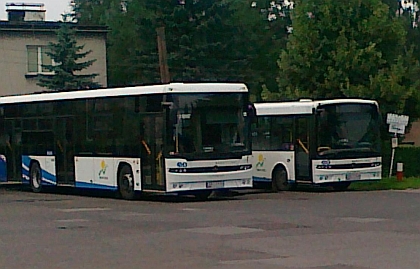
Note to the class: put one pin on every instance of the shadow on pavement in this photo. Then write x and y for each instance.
(151, 197)
(217, 195)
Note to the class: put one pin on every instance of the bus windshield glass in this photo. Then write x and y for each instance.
(208, 126)
(348, 131)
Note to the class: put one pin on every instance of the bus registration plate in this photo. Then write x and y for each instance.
(215, 184)
(354, 176)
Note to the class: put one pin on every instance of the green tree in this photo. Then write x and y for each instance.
(228, 40)
(348, 49)
(92, 12)
(66, 56)
(203, 40)
(204, 43)
(263, 28)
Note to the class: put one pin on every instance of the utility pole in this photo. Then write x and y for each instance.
(163, 59)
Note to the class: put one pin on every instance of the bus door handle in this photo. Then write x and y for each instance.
(303, 146)
(60, 146)
(146, 147)
(9, 145)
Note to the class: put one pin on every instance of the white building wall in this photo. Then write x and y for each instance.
(13, 55)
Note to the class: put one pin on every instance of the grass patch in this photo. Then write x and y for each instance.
(387, 184)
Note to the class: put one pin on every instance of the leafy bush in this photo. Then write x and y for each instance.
(409, 156)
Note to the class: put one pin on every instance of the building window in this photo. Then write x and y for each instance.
(37, 57)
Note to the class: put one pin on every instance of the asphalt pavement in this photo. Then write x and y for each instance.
(307, 229)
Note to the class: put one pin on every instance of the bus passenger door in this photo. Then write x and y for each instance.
(302, 150)
(13, 150)
(64, 144)
(152, 166)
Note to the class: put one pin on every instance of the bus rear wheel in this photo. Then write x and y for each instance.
(126, 183)
(279, 180)
(35, 177)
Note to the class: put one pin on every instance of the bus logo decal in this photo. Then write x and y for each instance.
(261, 160)
(182, 164)
(103, 170)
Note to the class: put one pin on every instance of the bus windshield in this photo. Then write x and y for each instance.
(208, 126)
(348, 131)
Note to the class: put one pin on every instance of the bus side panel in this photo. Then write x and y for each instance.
(3, 168)
(102, 172)
(47, 164)
(263, 163)
(349, 174)
(180, 181)
(87, 176)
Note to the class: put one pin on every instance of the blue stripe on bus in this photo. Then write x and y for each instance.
(3, 168)
(264, 179)
(261, 179)
(26, 160)
(49, 176)
(85, 185)
(25, 172)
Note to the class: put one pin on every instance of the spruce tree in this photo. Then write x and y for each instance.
(66, 55)
(349, 49)
(203, 41)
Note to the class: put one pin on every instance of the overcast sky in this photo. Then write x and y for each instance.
(54, 8)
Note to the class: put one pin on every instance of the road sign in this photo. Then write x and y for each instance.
(395, 118)
(396, 128)
(397, 123)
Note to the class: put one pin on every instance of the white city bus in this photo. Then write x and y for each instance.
(175, 138)
(327, 143)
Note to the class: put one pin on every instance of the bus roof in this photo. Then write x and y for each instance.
(126, 91)
(304, 106)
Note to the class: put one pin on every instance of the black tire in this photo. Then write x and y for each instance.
(35, 177)
(126, 183)
(279, 180)
(341, 186)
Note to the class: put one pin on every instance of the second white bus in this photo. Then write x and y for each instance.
(327, 143)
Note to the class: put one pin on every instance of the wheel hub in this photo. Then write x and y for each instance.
(35, 180)
(128, 182)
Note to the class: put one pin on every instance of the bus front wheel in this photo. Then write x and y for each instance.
(126, 183)
(35, 177)
(279, 180)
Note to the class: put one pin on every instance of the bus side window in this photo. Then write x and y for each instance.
(154, 103)
(282, 127)
(302, 138)
(261, 134)
(137, 104)
(276, 135)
